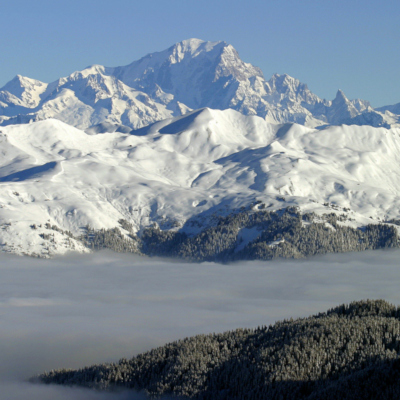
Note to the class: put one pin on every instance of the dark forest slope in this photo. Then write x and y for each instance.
(348, 352)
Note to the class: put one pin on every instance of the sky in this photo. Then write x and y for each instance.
(69, 312)
(329, 45)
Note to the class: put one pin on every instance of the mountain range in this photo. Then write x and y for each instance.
(191, 153)
(189, 75)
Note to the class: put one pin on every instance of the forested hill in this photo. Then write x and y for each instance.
(348, 352)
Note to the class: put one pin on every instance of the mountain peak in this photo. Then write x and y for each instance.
(192, 48)
(341, 109)
(20, 81)
(340, 96)
(284, 80)
(24, 91)
(192, 42)
(18, 78)
(192, 45)
(90, 70)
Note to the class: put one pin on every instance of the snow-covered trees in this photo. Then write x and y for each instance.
(285, 233)
(349, 351)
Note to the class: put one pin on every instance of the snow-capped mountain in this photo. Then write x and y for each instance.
(184, 169)
(189, 75)
(82, 99)
(22, 92)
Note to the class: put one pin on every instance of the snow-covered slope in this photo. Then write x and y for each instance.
(203, 163)
(189, 75)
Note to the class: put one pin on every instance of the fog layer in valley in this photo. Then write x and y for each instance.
(79, 310)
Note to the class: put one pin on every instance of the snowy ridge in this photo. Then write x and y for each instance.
(23, 92)
(189, 75)
(86, 98)
(205, 163)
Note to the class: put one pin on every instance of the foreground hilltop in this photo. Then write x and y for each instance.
(348, 352)
(189, 75)
(206, 185)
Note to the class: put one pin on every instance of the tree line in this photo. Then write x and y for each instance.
(286, 233)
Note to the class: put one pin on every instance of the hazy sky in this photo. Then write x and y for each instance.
(328, 44)
(79, 310)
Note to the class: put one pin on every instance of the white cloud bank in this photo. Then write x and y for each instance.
(79, 310)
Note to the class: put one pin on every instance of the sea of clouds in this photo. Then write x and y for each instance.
(83, 309)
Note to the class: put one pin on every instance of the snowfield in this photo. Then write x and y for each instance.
(207, 162)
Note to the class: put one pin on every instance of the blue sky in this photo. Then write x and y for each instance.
(352, 45)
